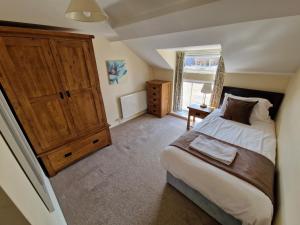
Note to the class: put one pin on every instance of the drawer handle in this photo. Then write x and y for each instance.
(154, 94)
(154, 88)
(68, 94)
(95, 141)
(68, 154)
(61, 95)
(154, 99)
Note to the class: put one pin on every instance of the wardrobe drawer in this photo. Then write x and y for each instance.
(69, 153)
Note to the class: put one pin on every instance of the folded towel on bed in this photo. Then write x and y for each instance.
(215, 149)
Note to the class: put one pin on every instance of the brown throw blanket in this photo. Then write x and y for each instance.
(249, 166)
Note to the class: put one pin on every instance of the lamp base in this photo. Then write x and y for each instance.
(203, 106)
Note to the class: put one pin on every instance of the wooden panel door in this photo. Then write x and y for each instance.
(81, 84)
(30, 79)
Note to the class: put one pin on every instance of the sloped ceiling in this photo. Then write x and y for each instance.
(130, 11)
(209, 15)
(256, 35)
(265, 46)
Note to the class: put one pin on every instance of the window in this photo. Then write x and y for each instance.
(192, 94)
(201, 63)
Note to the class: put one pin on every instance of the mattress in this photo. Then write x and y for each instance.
(234, 195)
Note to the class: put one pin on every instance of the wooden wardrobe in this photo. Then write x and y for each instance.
(51, 81)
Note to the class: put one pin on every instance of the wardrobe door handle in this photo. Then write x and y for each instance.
(61, 95)
(68, 94)
(95, 141)
(68, 154)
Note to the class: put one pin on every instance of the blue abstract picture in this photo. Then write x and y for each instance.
(116, 70)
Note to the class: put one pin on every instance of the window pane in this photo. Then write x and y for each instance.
(201, 63)
(186, 96)
(192, 94)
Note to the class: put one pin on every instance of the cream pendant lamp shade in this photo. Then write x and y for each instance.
(85, 11)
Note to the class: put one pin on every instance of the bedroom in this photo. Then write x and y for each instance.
(125, 182)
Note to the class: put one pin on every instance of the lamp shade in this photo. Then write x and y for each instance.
(85, 11)
(206, 89)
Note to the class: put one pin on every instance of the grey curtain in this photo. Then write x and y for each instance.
(178, 82)
(218, 84)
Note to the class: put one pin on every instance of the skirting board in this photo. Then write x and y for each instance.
(121, 121)
(210, 208)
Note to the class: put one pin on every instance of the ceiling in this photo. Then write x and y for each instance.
(265, 46)
(256, 35)
(126, 12)
(209, 15)
(49, 12)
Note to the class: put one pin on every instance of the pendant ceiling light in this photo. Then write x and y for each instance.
(85, 11)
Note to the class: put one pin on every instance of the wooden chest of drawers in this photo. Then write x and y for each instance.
(158, 97)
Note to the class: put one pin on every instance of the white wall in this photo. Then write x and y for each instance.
(19, 189)
(169, 56)
(265, 82)
(288, 155)
(138, 73)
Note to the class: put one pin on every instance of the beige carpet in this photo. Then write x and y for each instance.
(124, 184)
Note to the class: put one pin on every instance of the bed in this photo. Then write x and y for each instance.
(227, 198)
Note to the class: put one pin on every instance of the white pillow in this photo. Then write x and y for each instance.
(260, 111)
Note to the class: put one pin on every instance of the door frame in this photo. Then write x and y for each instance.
(20, 148)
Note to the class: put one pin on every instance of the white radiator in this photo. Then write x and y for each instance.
(133, 103)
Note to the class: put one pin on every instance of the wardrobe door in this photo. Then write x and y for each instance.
(30, 79)
(81, 83)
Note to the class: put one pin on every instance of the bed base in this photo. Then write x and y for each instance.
(209, 207)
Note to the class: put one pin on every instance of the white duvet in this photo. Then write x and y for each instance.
(235, 196)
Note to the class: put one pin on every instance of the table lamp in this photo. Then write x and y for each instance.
(206, 89)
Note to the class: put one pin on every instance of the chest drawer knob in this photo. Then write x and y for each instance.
(68, 154)
(95, 141)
